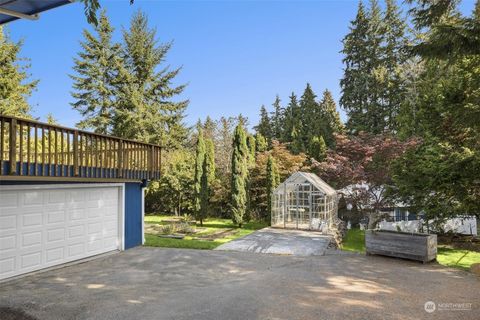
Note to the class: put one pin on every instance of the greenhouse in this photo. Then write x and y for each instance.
(304, 201)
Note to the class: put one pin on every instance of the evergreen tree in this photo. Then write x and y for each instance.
(440, 175)
(264, 127)
(292, 120)
(309, 110)
(15, 88)
(239, 197)
(209, 127)
(277, 119)
(242, 120)
(372, 88)
(297, 145)
(210, 160)
(394, 59)
(375, 115)
(207, 178)
(329, 119)
(146, 109)
(251, 144)
(261, 143)
(93, 83)
(273, 180)
(200, 151)
(317, 148)
(354, 83)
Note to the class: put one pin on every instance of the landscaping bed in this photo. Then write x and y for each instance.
(175, 232)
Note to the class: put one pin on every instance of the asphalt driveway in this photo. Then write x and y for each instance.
(156, 283)
(280, 241)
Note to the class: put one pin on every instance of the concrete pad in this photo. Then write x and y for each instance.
(158, 283)
(280, 241)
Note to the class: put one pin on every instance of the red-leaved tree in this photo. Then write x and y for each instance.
(360, 168)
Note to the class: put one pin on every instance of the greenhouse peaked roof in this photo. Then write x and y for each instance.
(313, 179)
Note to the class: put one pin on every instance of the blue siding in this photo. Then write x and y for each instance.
(133, 214)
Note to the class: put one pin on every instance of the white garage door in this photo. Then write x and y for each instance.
(44, 227)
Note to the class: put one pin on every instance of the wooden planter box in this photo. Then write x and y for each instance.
(414, 246)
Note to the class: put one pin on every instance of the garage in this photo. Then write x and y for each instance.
(43, 226)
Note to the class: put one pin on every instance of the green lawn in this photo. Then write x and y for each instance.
(211, 226)
(354, 241)
(457, 258)
(447, 256)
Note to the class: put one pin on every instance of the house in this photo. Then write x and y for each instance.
(67, 194)
(397, 215)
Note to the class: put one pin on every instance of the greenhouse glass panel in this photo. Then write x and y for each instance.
(304, 201)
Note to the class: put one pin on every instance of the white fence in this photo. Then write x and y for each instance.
(467, 225)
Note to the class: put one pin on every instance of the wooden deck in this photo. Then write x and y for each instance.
(31, 150)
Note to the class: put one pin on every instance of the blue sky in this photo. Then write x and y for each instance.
(236, 55)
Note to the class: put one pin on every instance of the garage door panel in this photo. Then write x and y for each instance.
(77, 214)
(95, 228)
(111, 242)
(55, 254)
(42, 228)
(57, 197)
(8, 222)
(31, 259)
(76, 231)
(32, 220)
(56, 217)
(54, 235)
(76, 249)
(8, 200)
(31, 238)
(32, 198)
(7, 265)
(8, 242)
(95, 245)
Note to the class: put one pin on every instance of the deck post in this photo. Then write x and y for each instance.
(120, 159)
(13, 146)
(75, 153)
(151, 160)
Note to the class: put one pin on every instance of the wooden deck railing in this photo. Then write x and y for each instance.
(33, 149)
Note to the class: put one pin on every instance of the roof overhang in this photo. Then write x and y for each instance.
(11, 10)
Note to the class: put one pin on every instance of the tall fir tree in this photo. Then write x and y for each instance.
(329, 119)
(273, 180)
(209, 128)
(292, 119)
(277, 119)
(264, 127)
(240, 155)
(355, 81)
(309, 110)
(147, 109)
(15, 86)
(375, 113)
(374, 50)
(200, 151)
(394, 57)
(93, 83)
